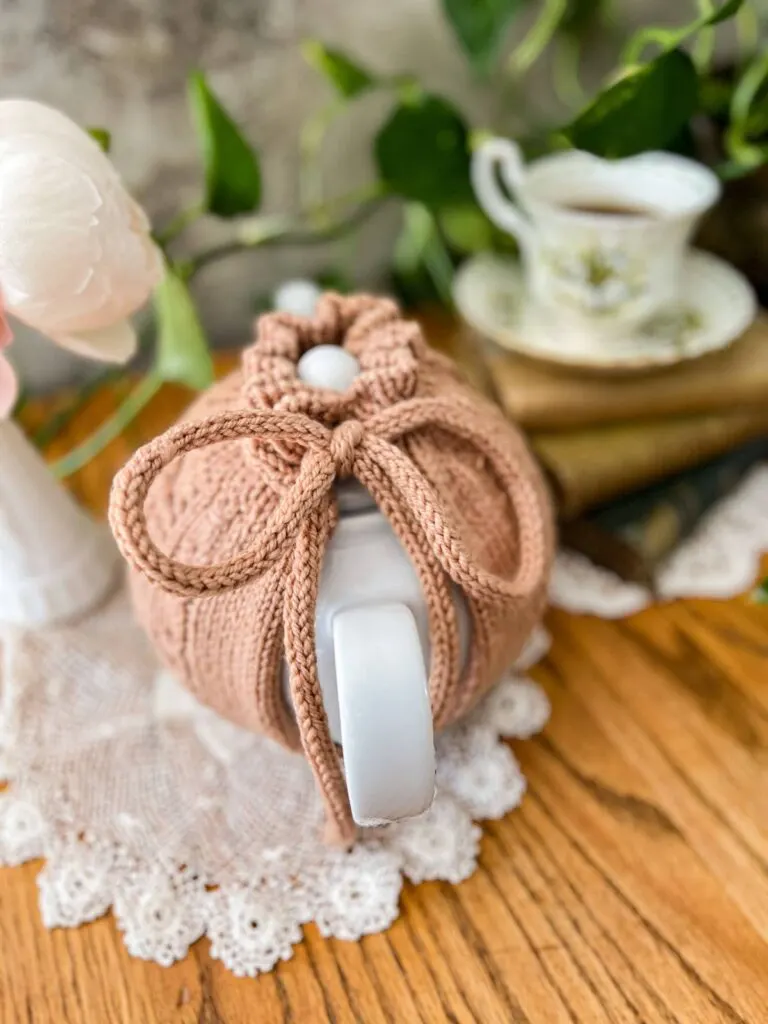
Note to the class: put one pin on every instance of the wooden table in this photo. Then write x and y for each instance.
(632, 885)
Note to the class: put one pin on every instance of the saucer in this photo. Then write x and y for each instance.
(717, 305)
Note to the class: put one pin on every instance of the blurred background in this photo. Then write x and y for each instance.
(329, 144)
(124, 65)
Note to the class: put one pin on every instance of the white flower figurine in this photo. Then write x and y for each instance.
(76, 260)
(76, 253)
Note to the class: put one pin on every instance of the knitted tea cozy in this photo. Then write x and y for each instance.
(224, 520)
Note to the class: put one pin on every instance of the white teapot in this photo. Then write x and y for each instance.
(263, 542)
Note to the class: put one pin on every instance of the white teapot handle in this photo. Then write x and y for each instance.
(385, 713)
(507, 156)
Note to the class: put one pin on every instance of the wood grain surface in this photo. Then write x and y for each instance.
(632, 885)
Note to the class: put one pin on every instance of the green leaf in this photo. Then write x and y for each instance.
(102, 136)
(749, 92)
(466, 228)
(422, 152)
(726, 10)
(420, 250)
(583, 15)
(667, 39)
(348, 78)
(643, 110)
(748, 121)
(416, 234)
(714, 95)
(757, 121)
(481, 27)
(335, 279)
(181, 353)
(745, 163)
(760, 593)
(232, 176)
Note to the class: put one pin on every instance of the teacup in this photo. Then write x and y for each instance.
(603, 242)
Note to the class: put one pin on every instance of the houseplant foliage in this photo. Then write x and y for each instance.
(662, 86)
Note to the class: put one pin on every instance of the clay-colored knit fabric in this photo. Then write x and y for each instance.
(225, 518)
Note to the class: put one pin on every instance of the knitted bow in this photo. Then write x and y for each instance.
(353, 448)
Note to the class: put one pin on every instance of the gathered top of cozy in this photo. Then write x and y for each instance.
(224, 520)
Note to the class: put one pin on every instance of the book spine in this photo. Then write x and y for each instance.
(635, 533)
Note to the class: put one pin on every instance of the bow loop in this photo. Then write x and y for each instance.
(131, 486)
(461, 420)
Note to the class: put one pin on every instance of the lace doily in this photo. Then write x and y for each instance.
(143, 801)
(719, 560)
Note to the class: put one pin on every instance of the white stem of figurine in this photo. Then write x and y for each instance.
(55, 562)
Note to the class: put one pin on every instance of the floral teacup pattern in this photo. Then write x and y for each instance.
(598, 280)
(603, 242)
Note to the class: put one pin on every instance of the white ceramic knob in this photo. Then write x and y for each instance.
(328, 366)
(298, 296)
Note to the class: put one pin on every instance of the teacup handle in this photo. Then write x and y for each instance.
(507, 156)
(385, 713)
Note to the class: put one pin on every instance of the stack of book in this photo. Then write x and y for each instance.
(635, 462)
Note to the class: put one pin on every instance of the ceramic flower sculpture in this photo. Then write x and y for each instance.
(76, 254)
(76, 260)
